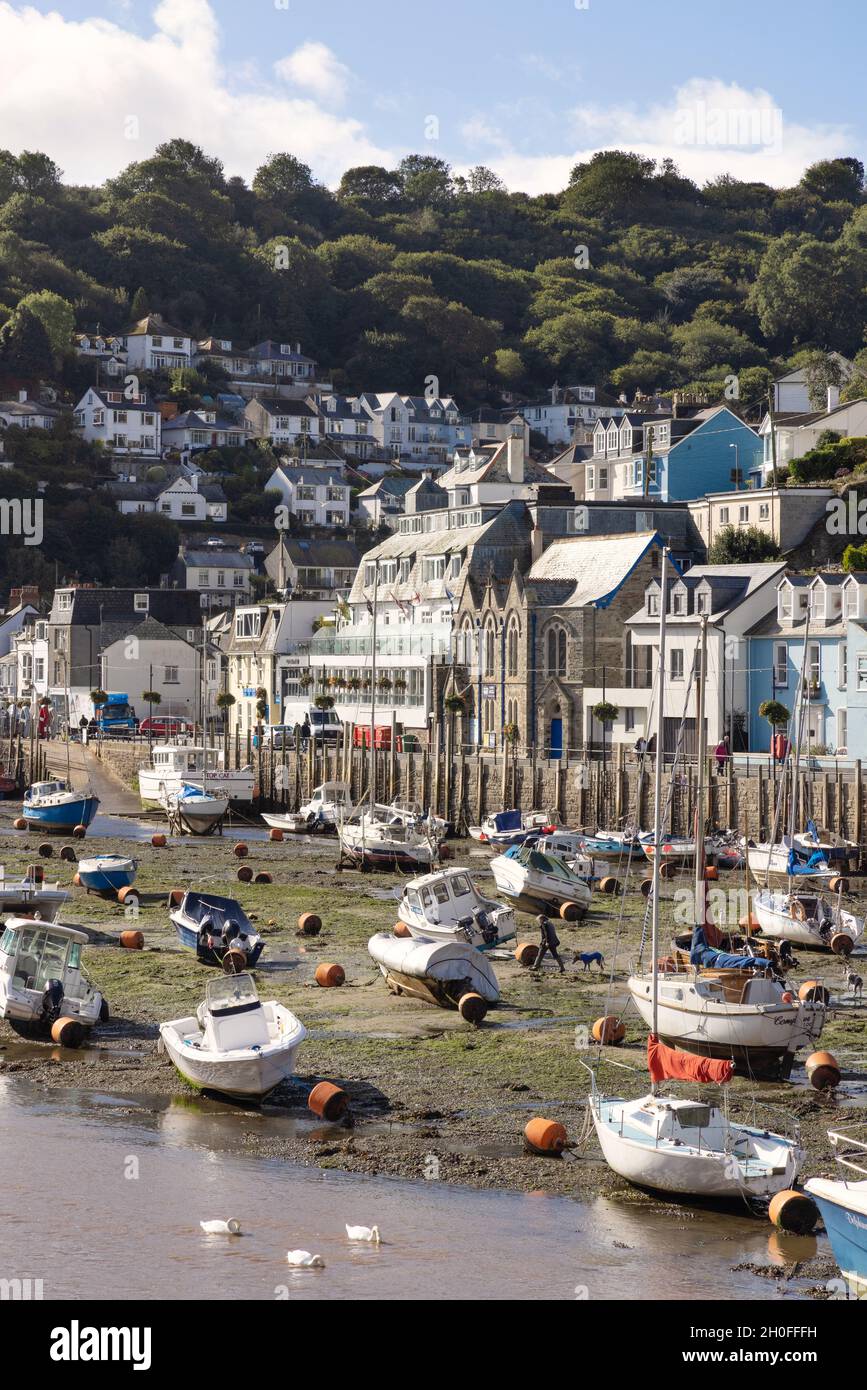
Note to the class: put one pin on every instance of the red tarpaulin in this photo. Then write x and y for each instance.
(667, 1063)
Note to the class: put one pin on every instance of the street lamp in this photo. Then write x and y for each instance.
(737, 465)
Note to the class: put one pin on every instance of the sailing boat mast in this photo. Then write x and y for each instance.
(701, 749)
(372, 751)
(657, 792)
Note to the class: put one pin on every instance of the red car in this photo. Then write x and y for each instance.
(165, 726)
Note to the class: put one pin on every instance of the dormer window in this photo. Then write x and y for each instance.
(850, 602)
(653, 603)
(785, 600)
(701, 603)
(678, 602)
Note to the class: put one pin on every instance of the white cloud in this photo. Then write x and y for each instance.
(315, 67)
(69, 88)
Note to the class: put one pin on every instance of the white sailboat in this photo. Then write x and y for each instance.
(665, 1142)
(807, 919)
(320, 814)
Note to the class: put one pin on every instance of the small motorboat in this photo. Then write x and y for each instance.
(391, 837)
(447, 906)
(570, 846)
(778, 866)
(836, 848)
(195, 810)
(212, 926)
(107, 873)
(30, 896)
(319, 815)
(55, 808)
(842, 1203)
(440, 972)
(613, 844)
(675, 851)
(807, 919)
(537, 882)
(235, 1045)
(42, 983)
(505, 828)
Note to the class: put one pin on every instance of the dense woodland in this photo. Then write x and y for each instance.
(631, 278)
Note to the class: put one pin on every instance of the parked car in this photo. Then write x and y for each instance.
(323, 724)
(165, 726)
(214, 542)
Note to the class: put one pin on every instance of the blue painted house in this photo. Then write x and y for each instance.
(836, 661)
(711, 450)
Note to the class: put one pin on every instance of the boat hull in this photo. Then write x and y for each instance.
(846, 1224)
(62, 818)
(440, 972)
(189, 935)
(779, 924)
(530, 892)
(251, 1078)
(100, 876)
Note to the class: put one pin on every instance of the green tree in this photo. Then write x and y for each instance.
(742, 545)
(25, 347)
(56, 315)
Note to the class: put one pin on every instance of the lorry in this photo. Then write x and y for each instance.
(116, 715)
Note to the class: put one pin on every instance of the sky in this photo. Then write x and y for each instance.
(755, 88)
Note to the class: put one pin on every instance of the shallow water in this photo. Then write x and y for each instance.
(102, 1195)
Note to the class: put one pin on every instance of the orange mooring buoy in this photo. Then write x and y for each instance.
(793, 1211)
(19, 823)
(68, 1032)
(234, 961)
(79, 832)
(812, 992)
(158, 841)
(309, 924)
(46, 849)
(76, 879)
(67, 854)
(823, 1070)
(609, 884)
(401, 929)
(241, 850)
(570, 912)
(263, 878)
(608, 1030)
(132, 940)
(842, 943)
(329, 974)
(472, 1007)
(526, 953)
(545, 1136)
(245, 873)
(275, 834)
(328, 1101)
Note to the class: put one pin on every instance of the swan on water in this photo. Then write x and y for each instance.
(364, 1233)
(302, 1259)
(221, 1228)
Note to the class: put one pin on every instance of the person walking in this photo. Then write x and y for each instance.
(722, 753)
(548, 943)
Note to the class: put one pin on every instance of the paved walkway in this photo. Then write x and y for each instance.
(115, 797)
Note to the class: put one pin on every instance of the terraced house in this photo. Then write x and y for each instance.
(669, 458)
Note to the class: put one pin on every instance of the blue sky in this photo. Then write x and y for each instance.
(757, 87)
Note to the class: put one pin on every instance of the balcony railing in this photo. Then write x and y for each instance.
(417, 644)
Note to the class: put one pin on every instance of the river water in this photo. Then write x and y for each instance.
(101, 1197)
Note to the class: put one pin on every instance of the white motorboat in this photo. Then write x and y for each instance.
(447, 906)
(843, 1206)
(235, 1044)
(440, 972)
(30, 896)
(41, 980)
(779, 865)
(570, 847)
(195, 810)
(807, 919)
(391, 837)
(504, 828)
(176, 765)
(675, 850)
(320, 814)
(538, 882)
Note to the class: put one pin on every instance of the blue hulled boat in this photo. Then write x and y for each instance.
(211, 926)
(106, 873)
(55, 807)
(843, 1204)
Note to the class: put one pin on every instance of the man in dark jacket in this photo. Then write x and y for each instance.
(549, 943)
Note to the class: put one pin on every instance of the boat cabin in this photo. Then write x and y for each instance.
(34, 953)
(234, 1016)
(176, 759)
(449, 896)
(40, 790)
(329, 794)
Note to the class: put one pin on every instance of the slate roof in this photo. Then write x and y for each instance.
(153, 324)
(595, 568)
(92, 607)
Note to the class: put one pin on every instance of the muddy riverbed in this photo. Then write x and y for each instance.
(429, 1093)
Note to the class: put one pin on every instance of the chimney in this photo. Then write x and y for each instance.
(833, 398)
(515, 458)
(194, 482)
(22, 396)
(536, 539)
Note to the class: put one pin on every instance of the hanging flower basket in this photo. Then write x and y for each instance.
(775, 712)
(455, 704)
(511, 733)
(324, 702)
(605, 712)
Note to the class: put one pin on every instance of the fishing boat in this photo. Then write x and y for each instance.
(390, 837)
(107, 873)
(505, 828)
(539, 882)
(843, 1206)
(318, 815)
(211, 926)
(30, 896)
(664, 1141)
(193, 809)
(41, 980)
(440, 972)
(807, 919)
(56, 808)
(234, 1044)
(447, 906)
(174, 766)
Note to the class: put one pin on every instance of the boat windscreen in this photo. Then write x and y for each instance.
(231, 992)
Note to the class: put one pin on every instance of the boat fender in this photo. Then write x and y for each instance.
(79, 832)
(793, 1211)
(46, 850)
(158, 841)
(241, 850)
(842, 943)
(823, 1070)
(472, 1007)
(276, 834)
(526, 953)
(328, 1101)
(546, 1137)
(67, 854)
(812, 992)
(309, 924)
(245, 873)
(329, 975)
(68, 1032)
(608, 1030)
(132, 940)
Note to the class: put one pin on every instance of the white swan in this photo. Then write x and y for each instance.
(221, 1228)
(364, 1233)
(302, 1259)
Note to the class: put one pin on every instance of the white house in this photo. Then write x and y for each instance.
(796, 434)
(347, 423)
(201, 429)
(124, 425)
(569, 408)
(181, 496)
(493, 473)
(27, 414)
(318, 495)
(282, 421)
(28, 660)
(220, 577)
(154, 345)
(791, 396)
(152, 656)
(267, 650)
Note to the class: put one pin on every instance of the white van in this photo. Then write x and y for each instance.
(325, 726)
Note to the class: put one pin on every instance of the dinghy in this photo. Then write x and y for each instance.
(55, 808)
(106, 873)
(193, 809)
(319, 815)
(438, 972)
(30, 896)
(447, 906)
(505, 828)
(807, 919)
(211, 926)
(537, 882)
(842, 1203)
(613, 844)
(42, 983)
(235, 1045)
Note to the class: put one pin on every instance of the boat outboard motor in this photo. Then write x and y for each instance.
(485, 925)
(230, 931)
(52, 1000)
(465, 927)
(206, 926)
